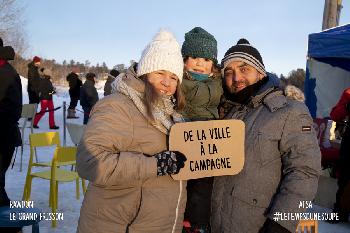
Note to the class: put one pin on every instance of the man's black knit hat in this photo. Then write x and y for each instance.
(114, 73)
(244, 52)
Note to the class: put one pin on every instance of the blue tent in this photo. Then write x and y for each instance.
(327, 69)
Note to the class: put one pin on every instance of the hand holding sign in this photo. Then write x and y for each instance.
(212, 148)
(169, 162)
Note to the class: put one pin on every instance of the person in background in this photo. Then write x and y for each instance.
(124, 151)
(10, 113)
(282, 157)
(341, 112)
(202, 89)
(108, 85)
(34, 80)
(74, 92)
(46, 91)
(88, 95)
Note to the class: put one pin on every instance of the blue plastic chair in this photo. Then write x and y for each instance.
(5, 217)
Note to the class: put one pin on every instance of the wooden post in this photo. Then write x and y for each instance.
(331, 13)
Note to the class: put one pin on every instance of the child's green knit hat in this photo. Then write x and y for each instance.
(200, 43)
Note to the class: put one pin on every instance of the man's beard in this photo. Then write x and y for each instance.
(244, 95)
(233, 88)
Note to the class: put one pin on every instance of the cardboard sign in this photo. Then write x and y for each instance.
(212, 148)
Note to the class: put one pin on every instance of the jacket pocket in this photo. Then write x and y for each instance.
(119, 204)
(249, 207)
(252, 198)
(268, 145)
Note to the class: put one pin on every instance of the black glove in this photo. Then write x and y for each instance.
(271, 226)
(169, 162)
(347, 107)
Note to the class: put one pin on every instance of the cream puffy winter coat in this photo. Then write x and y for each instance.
(115, 155)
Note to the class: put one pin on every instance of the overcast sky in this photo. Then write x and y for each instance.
(117, 31)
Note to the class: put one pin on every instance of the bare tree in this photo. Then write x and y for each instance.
(12, 25)
(297, 78)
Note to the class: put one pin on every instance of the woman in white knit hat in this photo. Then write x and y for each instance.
(124, 151)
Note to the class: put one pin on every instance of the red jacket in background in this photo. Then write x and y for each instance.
(339, 112)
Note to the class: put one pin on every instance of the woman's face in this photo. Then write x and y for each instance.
(199, 65)
(164, 82)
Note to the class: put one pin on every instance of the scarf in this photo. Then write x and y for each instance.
(198, 76)
(244, 96)
(163, 111)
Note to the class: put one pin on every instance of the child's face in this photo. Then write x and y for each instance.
(199, 65)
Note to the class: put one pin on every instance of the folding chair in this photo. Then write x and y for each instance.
(28, 112)
(62, 156)
(311, 226)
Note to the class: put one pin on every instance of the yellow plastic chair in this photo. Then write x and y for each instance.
(311, 226)
(39, 140)
(45, 139)
(67, 156)
(62, 155)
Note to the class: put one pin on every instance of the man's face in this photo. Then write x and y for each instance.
(238, 75)
(37, 64)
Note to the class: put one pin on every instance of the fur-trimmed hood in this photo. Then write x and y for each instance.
(293, 92)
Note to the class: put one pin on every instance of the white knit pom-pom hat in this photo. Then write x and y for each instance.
(162, 53)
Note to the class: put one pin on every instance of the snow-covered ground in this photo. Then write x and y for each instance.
(67, 202)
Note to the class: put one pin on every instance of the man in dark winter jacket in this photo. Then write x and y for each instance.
(33, 80)
(108, 85)
(88, 95)
(282, 157)
(10, 112)
(74, 92)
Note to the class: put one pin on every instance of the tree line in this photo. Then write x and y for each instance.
(61, 70)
